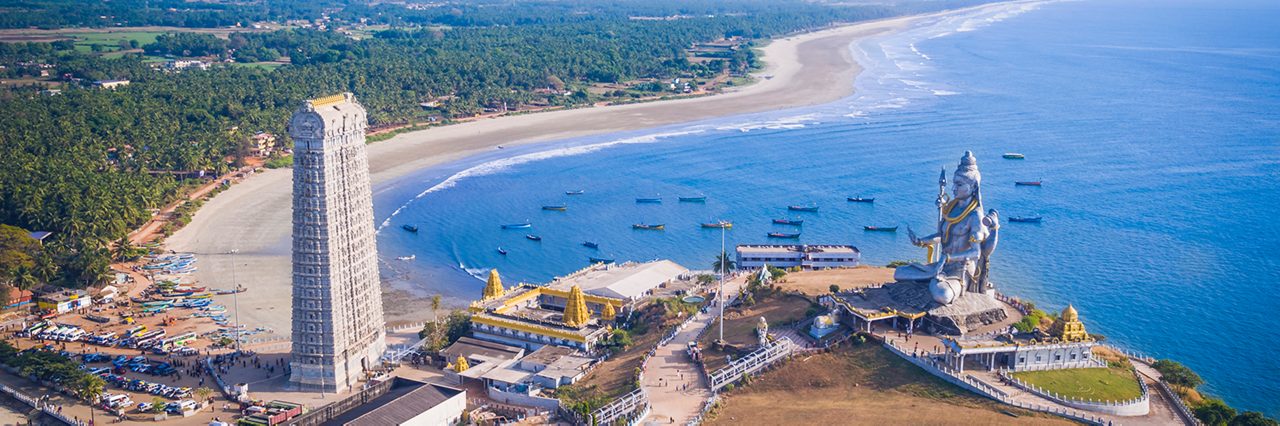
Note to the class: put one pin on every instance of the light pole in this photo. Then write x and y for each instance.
(235, 297)
(723, 267)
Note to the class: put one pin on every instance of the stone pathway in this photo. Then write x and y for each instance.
(675, 388)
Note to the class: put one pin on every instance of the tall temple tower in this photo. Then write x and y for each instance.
(338, 329)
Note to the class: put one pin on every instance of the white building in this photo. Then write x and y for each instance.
(338, 328)
(409, 403)
(754, 256)
(629, 281)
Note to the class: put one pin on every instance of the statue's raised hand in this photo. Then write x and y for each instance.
(912, 235)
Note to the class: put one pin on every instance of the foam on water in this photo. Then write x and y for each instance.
(1135, 234)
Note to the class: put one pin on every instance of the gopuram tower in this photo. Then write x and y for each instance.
(338, 329)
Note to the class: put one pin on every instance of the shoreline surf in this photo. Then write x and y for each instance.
(253, 217)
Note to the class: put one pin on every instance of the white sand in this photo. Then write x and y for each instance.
(254, 216)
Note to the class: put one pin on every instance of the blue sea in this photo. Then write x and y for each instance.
(1154, 125)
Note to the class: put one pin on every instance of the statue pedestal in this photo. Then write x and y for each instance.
(968, 312)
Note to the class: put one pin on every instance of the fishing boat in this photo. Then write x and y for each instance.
(532, 237)
(1013, 156)
(784, 235)
(880, 228)
(525, 225)
(809, 208)
(1026, 219)
(720, 224)
(577, 192)
(651, 227)
(793, 222)
(701, 199)
(410, 228)
(502, 251)
(1027, 183)
(649, 200)
(589, 244)
(409, 257)
(600, 260)
(558, 208)
(860, 200)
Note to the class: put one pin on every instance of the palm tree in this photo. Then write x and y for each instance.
(435, 306)
(24, 277)
(723, 263)
(202, 394)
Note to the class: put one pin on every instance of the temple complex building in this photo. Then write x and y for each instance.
(338, 328)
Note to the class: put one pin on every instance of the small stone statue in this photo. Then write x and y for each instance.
(763, 330)
(959, 253)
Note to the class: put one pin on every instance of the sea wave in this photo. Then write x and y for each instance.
(889, 84)
(503, 164)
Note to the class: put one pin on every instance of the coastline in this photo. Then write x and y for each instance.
(253, 217)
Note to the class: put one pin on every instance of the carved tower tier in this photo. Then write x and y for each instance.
(338, 328)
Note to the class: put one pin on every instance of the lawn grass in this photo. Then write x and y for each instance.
(1097, 384)
(861, 384)
(110, 41)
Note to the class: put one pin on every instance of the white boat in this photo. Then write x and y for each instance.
(409, 257)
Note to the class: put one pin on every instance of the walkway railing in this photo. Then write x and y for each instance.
(37, 404)
(971, 383)
(633, 406)
(1134, 407)
(752, 362)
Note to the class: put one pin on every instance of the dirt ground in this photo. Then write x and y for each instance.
(864, 384)
(816, 283)
(740, 326)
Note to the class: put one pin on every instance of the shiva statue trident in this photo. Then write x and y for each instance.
(964, 241)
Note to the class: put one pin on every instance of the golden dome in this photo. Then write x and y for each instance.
(1069, 314)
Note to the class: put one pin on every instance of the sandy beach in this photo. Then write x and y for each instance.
(253, 217)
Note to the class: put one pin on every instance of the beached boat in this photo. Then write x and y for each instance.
(1026, 219)
(1013, 156)
(880, 228)
(525, 225)
(650, 227)
(649, 200)
(589, 244)
(784, 235)
(532, 237)
(558, 208)
(793, 222)
(1027, 183)
(860, 200)
(409, 257)
(502, 251)
(719, 224)
(410, 228)
(577, 192)
(600, 260)
(701, 199)
(808, 208)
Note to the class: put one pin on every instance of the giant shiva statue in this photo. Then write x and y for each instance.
(960, 251)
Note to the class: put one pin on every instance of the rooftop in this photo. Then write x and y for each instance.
(798, 248)
(472, 348)
(622, 281)
(406, 400)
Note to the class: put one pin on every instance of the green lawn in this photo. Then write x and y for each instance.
(111, 41)
(1102, 384)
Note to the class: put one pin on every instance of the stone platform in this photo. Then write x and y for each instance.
(970, 313)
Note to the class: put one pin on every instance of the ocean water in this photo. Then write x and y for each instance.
(1155, 126)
